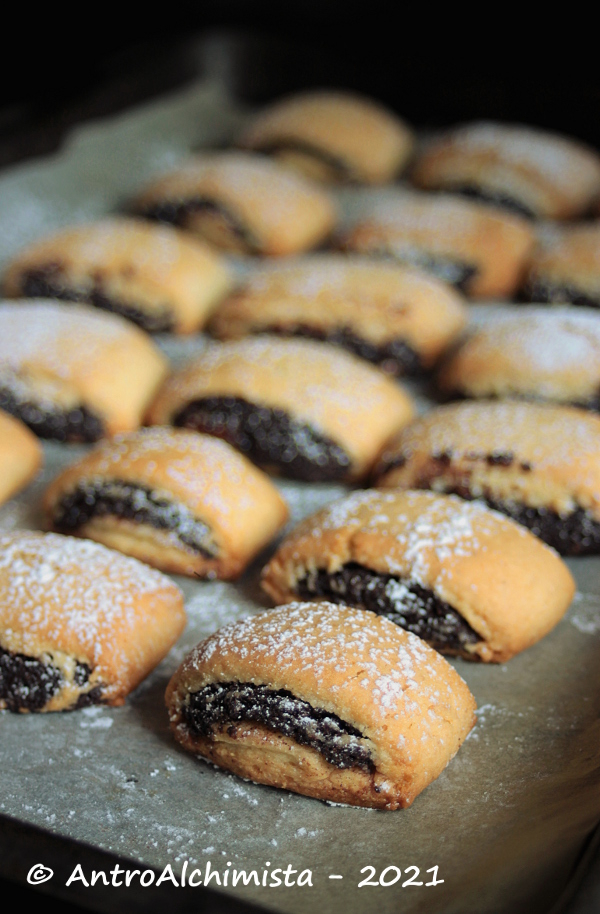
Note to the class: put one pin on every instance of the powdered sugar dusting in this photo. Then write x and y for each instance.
(66, 339)
(335, 649)
(561, 161)
(58, 588)
(203, 467)
(323, 382)
(431, 530)
(546, 436)
(539, 339)
(277, 192)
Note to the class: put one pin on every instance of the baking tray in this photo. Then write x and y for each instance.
(507, 822)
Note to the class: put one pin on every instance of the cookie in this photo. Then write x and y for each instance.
(467, 580)
(392, 316)
(565, 266)
(241, 202)
(79, 624)
(20, 456)
(522, 169)
(539, 464)
(334, 137)
(159, 278)
(73, 374)
(529, 352)
(478, 249)
(327, 701)
(302, 409)
(182, 502)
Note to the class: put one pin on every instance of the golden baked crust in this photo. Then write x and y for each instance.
(69, 356)
(377, 303)
(410, 706)
(212, 482)
(479, 248)
(65, 601)
(20, 456)
(533, 352)
(333, 136)
(508, 586)
(353, 404)
(161, 278)
(565, 266)
(538, 455)
(251, 205)
(545, 174)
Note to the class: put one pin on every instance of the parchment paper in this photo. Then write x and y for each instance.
(506, 821)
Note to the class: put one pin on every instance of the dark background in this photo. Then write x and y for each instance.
(434, 68)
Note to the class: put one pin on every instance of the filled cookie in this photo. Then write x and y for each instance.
(539, 464)
(301, 409)
(183, 502)
(241, 202)
(333, 136)
(159, 278)
(395, 317)
(522, 169)
(565, 266)
(467, 580)
(529, 352)
(80, 624)
(477, 248)
(73, 374)
(328, 701)
(20, 456)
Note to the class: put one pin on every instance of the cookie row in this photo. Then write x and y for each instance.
(275, 698)
(339, 137)
(303, 408)
(465, 579)
(386, 299)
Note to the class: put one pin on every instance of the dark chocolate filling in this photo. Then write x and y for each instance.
(97, 498)
(341, 170)
(236, 702)
(577, 533)
(494, 198)
(396, 357)
(74, 425)
(177, 212)
(47, 282)
(455, 272)
(268, 436)
(27, 684)
(539, 291)
(408, 604)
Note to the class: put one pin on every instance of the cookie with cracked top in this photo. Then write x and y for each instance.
(158, 277)
(538, 463)
(467, 580)
(298, 408)
(332, 136)
(183, 502)
(327, 701)
(79, 624)
(522, 169)
(394, 317)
